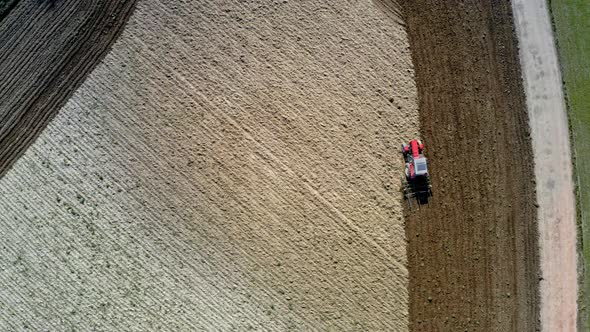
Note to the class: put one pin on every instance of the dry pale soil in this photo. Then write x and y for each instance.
(227, 166)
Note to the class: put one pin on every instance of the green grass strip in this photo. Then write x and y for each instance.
(571, 21)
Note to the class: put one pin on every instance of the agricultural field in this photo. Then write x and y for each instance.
(572, 27)
(226, 166)
(235, 165)
(472, 254)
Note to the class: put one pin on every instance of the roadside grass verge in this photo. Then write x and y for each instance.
(571, 23)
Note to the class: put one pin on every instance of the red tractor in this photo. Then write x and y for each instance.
(416, 183)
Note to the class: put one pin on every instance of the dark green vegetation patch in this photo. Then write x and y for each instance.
(6, 6)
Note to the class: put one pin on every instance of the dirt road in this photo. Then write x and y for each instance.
(228, 166)
(47, 49)
(472, 253)
(553, 165)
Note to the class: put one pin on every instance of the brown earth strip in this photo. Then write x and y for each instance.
(46, 49)
(472, 253)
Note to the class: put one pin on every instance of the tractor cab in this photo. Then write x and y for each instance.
(416, 164)
(420, 167)
(416, 183)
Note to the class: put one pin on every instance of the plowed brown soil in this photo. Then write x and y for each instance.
(472, 253)
(46, 50)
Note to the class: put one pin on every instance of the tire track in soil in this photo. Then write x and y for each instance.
(47, 49)
(472, 254)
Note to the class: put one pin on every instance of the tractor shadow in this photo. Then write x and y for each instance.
(417, 193)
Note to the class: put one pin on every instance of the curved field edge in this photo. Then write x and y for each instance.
(5, 7)
(47, 49)
(550, 134)
(572, 28)
(473, 252)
